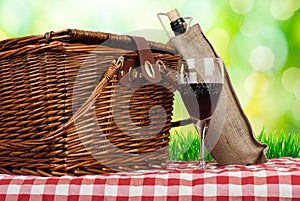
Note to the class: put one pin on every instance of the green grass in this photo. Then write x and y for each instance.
(184, 144)
(281, 144)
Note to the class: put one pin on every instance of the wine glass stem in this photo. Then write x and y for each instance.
(202, 128)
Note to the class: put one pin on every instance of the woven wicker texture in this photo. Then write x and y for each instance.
(45, 80)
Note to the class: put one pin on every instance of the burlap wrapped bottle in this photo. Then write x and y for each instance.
(237, 143)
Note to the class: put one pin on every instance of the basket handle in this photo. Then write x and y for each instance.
(97, 37)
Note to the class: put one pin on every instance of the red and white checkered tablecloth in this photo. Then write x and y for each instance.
(274, 180)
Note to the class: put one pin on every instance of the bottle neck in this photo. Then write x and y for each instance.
(178, 26)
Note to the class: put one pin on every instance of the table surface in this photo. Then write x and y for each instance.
(276, 179)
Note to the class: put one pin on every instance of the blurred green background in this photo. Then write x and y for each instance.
(259, 41)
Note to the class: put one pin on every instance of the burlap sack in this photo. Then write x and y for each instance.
(236, 143)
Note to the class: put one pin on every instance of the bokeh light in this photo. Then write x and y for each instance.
(256, 84)
(241, 6)
(252, 24)
(221, 41)
(283, 9)
(262, 58)
(272, 37)
(290, 77)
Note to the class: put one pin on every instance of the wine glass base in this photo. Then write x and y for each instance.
(202, 164)
(185, 165)
(194, 165)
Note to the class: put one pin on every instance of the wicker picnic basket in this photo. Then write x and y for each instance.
(65, 111)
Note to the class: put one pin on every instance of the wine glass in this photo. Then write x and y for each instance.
(200, 84)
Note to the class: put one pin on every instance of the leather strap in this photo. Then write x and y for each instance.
(149, 70)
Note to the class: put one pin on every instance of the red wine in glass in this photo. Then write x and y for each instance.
(200, 99)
